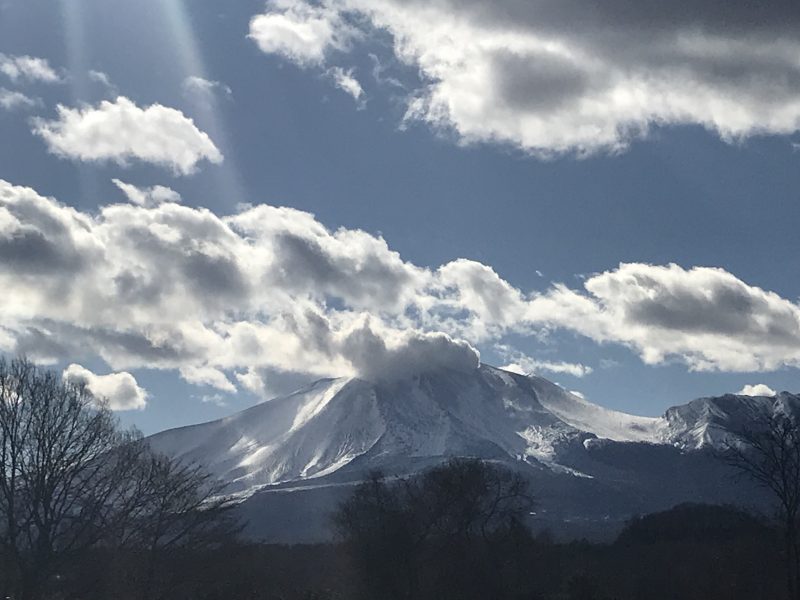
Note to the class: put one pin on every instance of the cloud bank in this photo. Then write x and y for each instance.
(221, 298)
(560, 76)
(121, 131)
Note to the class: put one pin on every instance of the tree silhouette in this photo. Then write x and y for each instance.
(435, 535)
(769, 453)
(71, 480)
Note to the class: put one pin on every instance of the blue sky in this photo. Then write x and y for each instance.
(512, 149)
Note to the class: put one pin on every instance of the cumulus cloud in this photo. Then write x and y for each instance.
(27, 68)
(552, 76)
(120, 390)
(224, 299)
(147, 196)
(706, 316)
(300, 31)
(759, 389)
(121, 131)
(11, 100)
(346, 81)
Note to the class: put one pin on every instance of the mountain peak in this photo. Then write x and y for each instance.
(349, 426)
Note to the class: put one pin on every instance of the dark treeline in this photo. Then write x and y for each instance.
(88, 512)
(692, 552)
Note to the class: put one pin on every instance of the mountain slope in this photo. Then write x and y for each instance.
(293, 458)
(326, 426)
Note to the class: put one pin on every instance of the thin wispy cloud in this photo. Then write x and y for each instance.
(13, 100)
(204, 90)
(28, 69)
(147, 196)
(345, 80)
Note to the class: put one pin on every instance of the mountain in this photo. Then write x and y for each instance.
(293, 457)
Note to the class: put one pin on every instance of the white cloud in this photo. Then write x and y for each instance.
(28, 68)
(551, 77)
(223, 299)
(11, 100)
(120, 131)
(207, 376)
(215, 399)
(346, 82)
(252, 381)
(523, 364)
(300, 31)
(204, 90)
(101, 78)
(120, 390)
(705, 316)
(759, 389)
(147, 196)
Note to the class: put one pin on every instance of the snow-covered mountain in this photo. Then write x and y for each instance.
(336, 430)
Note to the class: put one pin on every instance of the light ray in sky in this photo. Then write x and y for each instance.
(191, 63)
(75, 41)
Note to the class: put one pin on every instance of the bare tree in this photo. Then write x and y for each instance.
(769, 453)
(63, 469)
(181, 506)
(71, 480)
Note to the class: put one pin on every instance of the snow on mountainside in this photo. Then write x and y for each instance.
(335, 424)
(713, 422)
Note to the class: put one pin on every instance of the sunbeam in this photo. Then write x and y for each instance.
(191, 63)
(78, 66)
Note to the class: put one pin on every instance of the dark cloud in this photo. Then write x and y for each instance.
(724, 17)
(538, 81)
(216, 276)
(362, 278)
(30, 252)
(721, 309)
